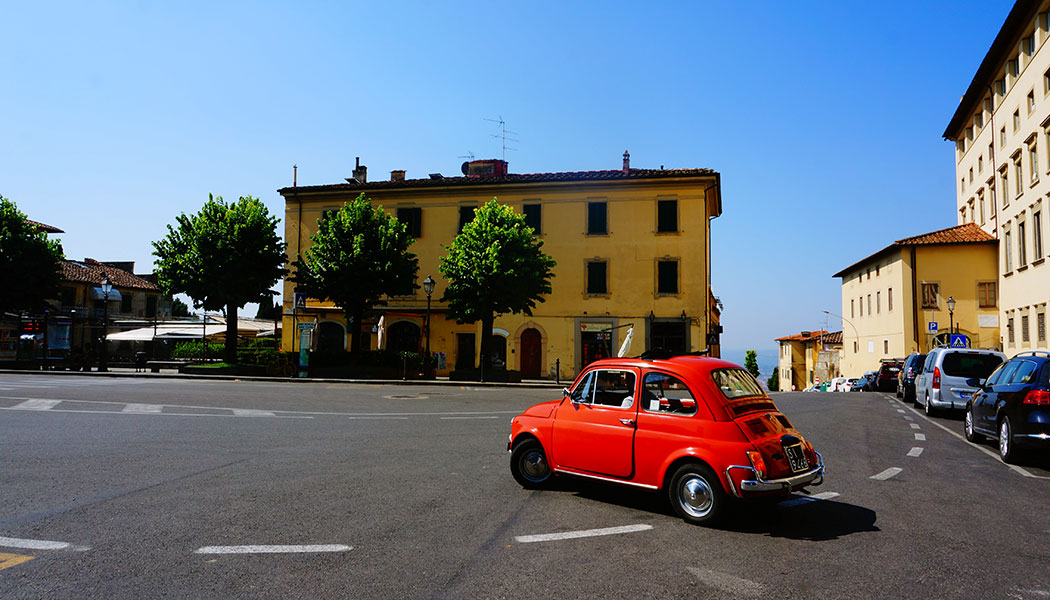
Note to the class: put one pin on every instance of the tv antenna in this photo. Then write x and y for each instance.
(469, 156)
(502, 135)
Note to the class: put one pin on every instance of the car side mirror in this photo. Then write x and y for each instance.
(565, 391)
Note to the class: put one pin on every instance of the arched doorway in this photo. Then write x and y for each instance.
(331, 337)
(404, 335)
(531, 353)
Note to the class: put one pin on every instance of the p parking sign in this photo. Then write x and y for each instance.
(933, 326)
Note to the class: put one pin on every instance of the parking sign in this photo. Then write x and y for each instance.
(933, 326)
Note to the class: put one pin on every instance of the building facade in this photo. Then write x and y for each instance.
(895, 301)
(808, 358)
(632, 248)
(1001, 131)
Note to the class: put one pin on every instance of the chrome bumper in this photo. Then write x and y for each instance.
(814, 476)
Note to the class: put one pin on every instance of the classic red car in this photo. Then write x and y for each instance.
(700, 429)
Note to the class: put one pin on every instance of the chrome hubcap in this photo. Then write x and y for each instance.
(1004, 439)
(534, 465)
(695, 496)
(969, 424)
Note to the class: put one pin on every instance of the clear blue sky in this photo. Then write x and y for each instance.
(824, 118)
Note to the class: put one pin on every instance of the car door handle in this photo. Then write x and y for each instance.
(628, 422)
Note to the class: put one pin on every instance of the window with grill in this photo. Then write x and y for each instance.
(667, 216)
(1040, 327)
(1037, 234)
(412, 217)
(1022, 247)
(151, 306)
(125, 303)
(889, 299)
(1024, 329)
(930, 293)
(1010, 330)
(597, 274)
(597, 218)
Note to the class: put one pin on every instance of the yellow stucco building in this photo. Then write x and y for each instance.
(807, 358)
(632, 248)
(890, 298)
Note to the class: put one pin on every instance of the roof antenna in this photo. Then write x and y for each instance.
(502, 135)
(295, 175)
(469, 156)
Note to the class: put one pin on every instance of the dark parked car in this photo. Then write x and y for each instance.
(886, 379)
(906, 377)
(1013, 405)
(865, 383)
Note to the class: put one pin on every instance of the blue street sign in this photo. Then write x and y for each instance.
(958, 340)
(933, 326)
(300, 300)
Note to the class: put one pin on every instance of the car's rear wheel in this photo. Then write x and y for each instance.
(928, 407)
(971, 435)
(696, 495)
(1007, 451)
(528, 464)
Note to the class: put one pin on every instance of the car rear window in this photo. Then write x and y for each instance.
(968, 365)
(736, 383)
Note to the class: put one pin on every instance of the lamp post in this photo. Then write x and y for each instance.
(107, 287)
(428, 287)
(845, 320)
(951, 316)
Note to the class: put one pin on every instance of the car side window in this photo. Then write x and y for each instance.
(996, 374)
(1025, 372)
(663, 393)
(614, 388)
(1007, 374)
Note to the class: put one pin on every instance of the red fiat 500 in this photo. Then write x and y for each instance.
(701, 429)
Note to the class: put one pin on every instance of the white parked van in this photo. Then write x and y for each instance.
(950, 376)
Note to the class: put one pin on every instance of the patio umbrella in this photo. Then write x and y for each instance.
(626, 345)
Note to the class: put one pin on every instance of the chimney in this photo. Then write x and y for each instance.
(397, 175)
(626, 162)
(360, 173)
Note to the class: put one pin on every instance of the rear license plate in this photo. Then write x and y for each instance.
(796, 458)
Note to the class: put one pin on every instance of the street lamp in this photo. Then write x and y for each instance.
(428, 287)
(951, 314)
(107, 287)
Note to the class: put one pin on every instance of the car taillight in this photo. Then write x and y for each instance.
(758, 463)
(1037, 397)
(936, 378)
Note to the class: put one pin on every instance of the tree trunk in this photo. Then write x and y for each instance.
(486, 345)
(354, 325)
(229, 354)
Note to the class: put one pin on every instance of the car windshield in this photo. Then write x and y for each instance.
(969, 365)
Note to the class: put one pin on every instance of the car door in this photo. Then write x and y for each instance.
(595, 430)
(1011, 389)
(984, 400)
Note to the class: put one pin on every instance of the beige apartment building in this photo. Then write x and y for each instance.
(1001, 132)
(891, 298)
(807, 358)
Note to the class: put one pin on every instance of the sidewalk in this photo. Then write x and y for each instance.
(130, 372)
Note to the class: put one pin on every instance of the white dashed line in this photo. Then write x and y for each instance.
(907, 418)
(807, 499)
(915, 451)
(461, 418)
(900, 410)
(890, 472)
(144, 409)
(250, 412)
(7, 542)
(271, 549)
(37, 405)
(569, 535)
(920, 437)
(915, 426)
(731, 584)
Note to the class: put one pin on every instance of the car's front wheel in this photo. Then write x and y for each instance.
(1007, 451)
(528, 464)
(971, 434)
(696, 494)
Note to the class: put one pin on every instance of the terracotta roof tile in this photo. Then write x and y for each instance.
(44, 227)
(91, 271)
(968, 233)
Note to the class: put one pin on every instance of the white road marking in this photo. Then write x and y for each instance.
(249, 412)
(907, 418)
(386, 418)
(920, 437)
(568, 535)
(732, 584)
(272, 549)
(460, 418)
(915, 426)
(915, 451)
(144, 409)
(36, 405)
(807, 499)
(39, 544)
(890, 472)
(900, 410)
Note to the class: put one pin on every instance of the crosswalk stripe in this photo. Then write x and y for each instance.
(37, 405)
(142, 408)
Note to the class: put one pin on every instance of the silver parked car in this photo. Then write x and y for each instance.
(950, 376)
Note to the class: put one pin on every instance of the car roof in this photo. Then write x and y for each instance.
(684, 364)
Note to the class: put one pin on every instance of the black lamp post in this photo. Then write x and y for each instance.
(951, 316)
(428, 287)
(107, 287)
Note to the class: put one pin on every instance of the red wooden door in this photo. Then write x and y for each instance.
(531, 353)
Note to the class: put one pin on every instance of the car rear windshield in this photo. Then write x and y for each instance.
(736, 383)
(968, 365)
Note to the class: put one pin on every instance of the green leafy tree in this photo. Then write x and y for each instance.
(751, 362)
(271, 311)
(179, 308)
(30, 263)
(495, 266)
(358, 255)
(773, 383)
(225, 256)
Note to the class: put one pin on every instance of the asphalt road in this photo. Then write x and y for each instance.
(154, 488)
